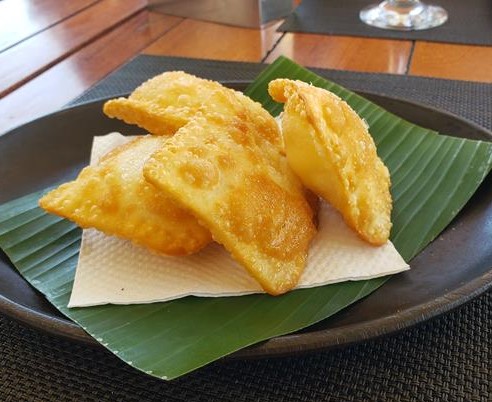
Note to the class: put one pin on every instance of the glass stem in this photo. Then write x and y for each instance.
(404, 3)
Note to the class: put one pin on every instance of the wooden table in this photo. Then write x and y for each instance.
(51, 51)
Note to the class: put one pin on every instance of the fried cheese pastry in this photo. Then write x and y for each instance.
(241, 188)
(329, 146)
(170, 100)
(114, 197)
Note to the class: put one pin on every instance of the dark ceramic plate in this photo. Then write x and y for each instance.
(450, 271)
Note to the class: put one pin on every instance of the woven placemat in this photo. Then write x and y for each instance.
(469, 22)
(470, 100)
(447, 358)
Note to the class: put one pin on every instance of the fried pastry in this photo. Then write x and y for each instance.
(170, 100)
(329, 146)
(240, 186)
(113, 197)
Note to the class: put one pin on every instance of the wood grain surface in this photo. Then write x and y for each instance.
(457, 62)
(20, 19)
(345, 53)
(71, 77)
(41, 51)
(206, 40)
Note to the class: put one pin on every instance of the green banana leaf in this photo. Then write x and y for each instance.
(433, 177)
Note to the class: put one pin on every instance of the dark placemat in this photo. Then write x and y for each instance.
(470, 100)
(447, 358)
(469, 22)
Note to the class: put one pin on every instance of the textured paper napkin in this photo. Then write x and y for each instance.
(112, 270)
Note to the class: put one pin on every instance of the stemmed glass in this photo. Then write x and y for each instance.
(404, 15)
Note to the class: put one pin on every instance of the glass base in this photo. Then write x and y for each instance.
(395, 15)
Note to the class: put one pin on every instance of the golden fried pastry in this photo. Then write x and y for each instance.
(240, 186)
(164, 103)
(114, 197)
(168, 101)
(328, 145)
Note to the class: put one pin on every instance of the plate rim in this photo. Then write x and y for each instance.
(327, 339)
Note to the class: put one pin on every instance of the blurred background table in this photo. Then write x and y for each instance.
(51, 52)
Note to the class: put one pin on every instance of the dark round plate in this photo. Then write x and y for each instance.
(450, 271)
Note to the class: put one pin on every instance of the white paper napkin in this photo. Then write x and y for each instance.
(112, 270)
